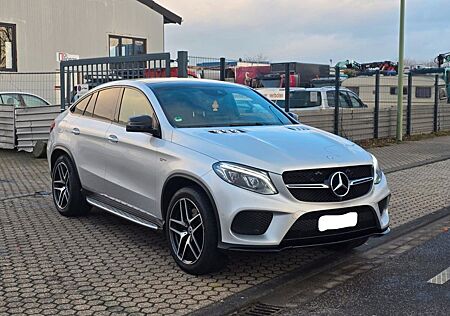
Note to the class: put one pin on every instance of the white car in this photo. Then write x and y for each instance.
(216, 166)
(313, 98)
(22, 99)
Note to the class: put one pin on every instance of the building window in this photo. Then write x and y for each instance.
(8, 56)
(126, 46)
(423, 92)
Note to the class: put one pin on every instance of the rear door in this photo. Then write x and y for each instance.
(133, 157)
(89, 138)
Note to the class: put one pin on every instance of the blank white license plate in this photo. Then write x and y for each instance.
(328, 222)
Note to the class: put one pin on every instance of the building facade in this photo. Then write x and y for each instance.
(35, 34)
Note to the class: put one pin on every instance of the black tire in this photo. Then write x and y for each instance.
(209, 258)
(348, 245)
(70, 201)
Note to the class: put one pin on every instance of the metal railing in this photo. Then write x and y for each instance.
(95, 71)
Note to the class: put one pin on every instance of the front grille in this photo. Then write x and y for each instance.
(251, 222)
(307, 225)
(322, 176)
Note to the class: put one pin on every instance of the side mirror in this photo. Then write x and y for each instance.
(294, 116)
(141, 124)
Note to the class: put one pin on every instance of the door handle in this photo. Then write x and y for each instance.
(113, 138)
(75, 131)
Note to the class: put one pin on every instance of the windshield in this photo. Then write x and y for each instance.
(194, 105)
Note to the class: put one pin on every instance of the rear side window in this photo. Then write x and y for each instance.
(81, 106)
(305, 99)
(90, 107)
(11, 99)
(105, 107)
(134, 103)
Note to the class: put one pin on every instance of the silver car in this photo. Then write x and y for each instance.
(216, 166)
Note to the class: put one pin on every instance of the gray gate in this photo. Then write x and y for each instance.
(95, 71)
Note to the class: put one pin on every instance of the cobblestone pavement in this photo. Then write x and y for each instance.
(410, 153)
(101, 264)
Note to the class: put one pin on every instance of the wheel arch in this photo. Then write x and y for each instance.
(57, 152)
(179, 180)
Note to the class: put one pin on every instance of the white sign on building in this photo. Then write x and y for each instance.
(61, 56)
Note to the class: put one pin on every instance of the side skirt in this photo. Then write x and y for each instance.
(132, 214)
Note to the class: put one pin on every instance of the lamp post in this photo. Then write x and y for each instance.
(401, 51)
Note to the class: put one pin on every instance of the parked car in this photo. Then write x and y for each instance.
(313, 98)
(22, 99)
(181, 156)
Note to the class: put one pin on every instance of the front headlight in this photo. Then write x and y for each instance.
(244, 177)
(378, 171)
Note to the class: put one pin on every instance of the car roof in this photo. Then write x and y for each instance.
(23, 93)
(153, 82)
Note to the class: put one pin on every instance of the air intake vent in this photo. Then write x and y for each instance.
(227, 131)
(298, 128)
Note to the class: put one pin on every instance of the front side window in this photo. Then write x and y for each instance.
(199, 105)
(356, 103)
(344, 101)
(126, 46)
(105, 106)
(134, 103)
(32, 101)
(8, 56)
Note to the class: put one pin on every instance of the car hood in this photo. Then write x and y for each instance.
(273, 148)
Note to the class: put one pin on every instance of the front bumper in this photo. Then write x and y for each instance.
(286, 210)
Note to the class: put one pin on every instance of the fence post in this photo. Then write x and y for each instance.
(287, 86)
(222, 69)
(336, 99)
(69, 87)
(436, 103)
(376, 118)
(62, 86)
(409, 105)
(182, 60)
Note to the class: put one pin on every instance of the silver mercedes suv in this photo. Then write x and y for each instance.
(217, 167)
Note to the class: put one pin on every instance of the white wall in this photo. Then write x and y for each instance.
(79, 27)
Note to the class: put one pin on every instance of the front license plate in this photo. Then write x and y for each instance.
(328, 222)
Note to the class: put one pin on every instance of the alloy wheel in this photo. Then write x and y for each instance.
(61, 185)
(186, 231)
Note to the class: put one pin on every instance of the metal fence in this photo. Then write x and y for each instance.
(95, 71)
(7, 129)
(425, 100)
(33, 125)
(43, 84)
(22, 128)
(367, 104)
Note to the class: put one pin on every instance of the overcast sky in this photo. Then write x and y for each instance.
(308, 30)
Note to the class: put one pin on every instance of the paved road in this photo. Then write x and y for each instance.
(399, 286)
(102, 264)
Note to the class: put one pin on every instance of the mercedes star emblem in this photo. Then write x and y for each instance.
(340, 185)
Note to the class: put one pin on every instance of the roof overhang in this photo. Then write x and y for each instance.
(169, 16)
